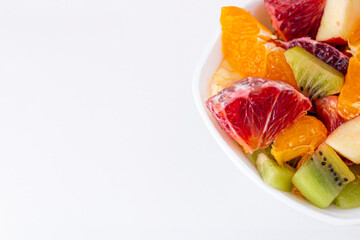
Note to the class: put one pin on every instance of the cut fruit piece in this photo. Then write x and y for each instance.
(323, 51)
(346, 140)
(350, 196)
(239, 22)
(349, 98)
(299, 139)
(338, 20)
(278, 69)
(276, 176)
(327, 112)
(314, 77)
(294, 162)
(295, 19)
(354, 39)
(345, 50)
(247, 55)
(224, 77)
(254, 110)
(346, 161)
(322, 177)
(244, 42)
(296, 192)
(255, 155)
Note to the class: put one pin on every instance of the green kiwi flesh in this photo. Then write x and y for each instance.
(314, 78)
(350, 196)
(254, 156)
(276, 176)
(322, 177)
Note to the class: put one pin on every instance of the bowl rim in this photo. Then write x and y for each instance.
(317, 213)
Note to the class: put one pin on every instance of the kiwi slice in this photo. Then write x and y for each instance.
(322, 177)
(314, 78)
(254, 156)
(276, 176)
(350, 196)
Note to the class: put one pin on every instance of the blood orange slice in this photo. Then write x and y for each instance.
(294, 19)
(254, 110)
(327, 112)
(322, 51)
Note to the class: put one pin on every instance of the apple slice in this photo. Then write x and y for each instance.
(346, 140)
(340, 16)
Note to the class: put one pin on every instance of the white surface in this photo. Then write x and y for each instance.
(205, 69)
(100, 137)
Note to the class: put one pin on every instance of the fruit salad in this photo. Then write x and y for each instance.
(291, 97)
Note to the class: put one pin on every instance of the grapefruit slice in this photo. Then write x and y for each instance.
(254, 111)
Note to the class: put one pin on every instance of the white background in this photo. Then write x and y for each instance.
(99, 135)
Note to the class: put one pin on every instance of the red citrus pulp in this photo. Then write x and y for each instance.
(254, 110)
(326, 109)
(294, 19)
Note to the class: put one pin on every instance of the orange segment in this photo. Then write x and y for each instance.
(296, 192)
(247, 55)
(354, 40)
(349, 99)
(239, 22)
(244, 42)
(278, 69)
(224, 77)
(300, 139)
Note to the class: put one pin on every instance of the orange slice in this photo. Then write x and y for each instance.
(247, 55)
(300, 139)
(349, 99)
(278, 69)
(239, 22)
(354, 40)
(224, 77)
(244, 41)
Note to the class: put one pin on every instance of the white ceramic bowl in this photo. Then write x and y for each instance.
(205, 70)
